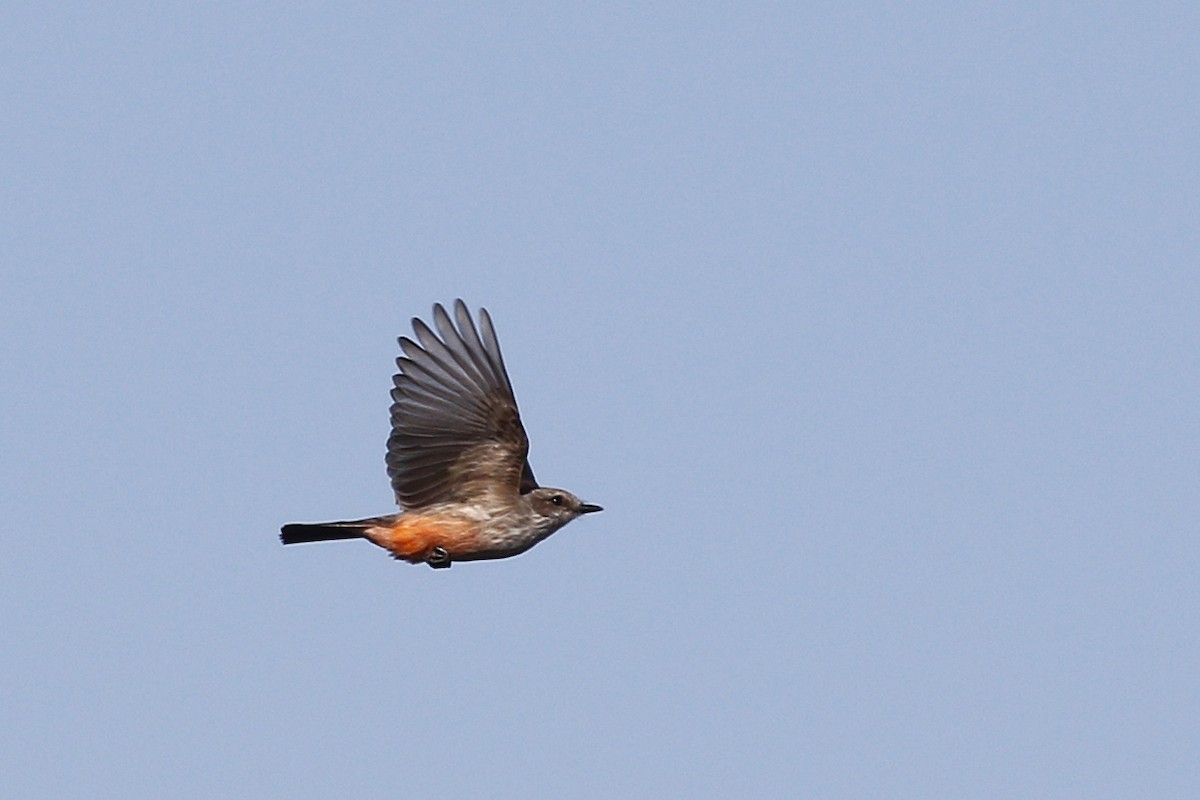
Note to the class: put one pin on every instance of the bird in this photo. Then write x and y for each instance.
(457, 456)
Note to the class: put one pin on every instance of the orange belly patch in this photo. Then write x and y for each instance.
(413, 536)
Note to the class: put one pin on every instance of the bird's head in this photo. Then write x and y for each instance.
(558, 506)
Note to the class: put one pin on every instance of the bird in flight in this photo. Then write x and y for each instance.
(457, 456)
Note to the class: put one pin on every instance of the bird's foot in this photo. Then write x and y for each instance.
(438, 558)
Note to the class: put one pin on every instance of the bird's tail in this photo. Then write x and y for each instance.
(298, 533)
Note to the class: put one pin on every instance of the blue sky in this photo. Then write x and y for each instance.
(873, 328)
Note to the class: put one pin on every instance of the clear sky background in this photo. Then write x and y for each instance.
(873, 328)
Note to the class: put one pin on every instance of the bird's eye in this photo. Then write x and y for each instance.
(556, 499)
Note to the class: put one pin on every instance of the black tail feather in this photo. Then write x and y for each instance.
(323, 532)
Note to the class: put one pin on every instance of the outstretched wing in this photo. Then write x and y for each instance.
(456, 434)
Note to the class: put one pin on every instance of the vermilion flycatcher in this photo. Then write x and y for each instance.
(457, 456)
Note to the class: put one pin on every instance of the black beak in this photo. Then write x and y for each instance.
(588, 508)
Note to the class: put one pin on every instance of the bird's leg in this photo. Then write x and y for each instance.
(438, 558)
